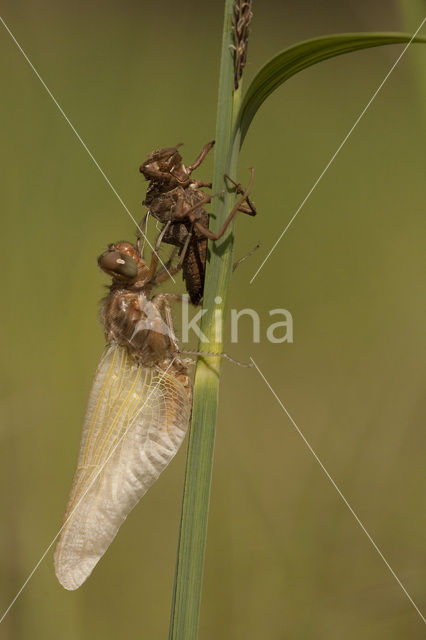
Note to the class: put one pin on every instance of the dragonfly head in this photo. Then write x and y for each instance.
(122, 262)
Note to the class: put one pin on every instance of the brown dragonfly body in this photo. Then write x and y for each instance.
(137, 415)
(141, 399)
(133, 317)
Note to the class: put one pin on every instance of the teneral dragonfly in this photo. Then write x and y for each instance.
(137, 415)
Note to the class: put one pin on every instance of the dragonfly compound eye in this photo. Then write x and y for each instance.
(118, 264)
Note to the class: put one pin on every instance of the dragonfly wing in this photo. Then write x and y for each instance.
(135, 422)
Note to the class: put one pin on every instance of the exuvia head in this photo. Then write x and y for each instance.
(166, 165)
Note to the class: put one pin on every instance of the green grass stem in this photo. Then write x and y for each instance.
(193, 529)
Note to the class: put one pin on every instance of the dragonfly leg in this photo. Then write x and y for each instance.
(250, 253)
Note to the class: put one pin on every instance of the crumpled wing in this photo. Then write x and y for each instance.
(135, 422)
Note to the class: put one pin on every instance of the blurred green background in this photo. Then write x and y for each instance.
(285, 558)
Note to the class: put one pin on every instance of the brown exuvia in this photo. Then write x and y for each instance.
(176, 200)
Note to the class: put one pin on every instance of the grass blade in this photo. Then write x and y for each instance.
(301, 56)
(193, 529)
(411, 12)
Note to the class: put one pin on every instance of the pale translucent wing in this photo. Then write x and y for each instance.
(135, 422)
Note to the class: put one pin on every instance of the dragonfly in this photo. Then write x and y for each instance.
(137, 414)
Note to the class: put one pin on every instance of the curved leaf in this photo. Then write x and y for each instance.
(301, 56)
